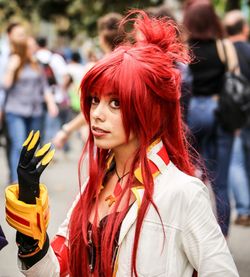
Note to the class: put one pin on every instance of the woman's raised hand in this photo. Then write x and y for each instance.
(31, 165)
(27, 208)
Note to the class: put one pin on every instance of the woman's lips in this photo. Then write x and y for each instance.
(98, 132)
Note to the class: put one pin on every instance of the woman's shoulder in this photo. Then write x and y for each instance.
(174, 193)
(178, 182)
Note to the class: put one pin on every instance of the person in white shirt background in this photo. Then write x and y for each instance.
(59, 67)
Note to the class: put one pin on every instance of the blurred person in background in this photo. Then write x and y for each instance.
(238, 183)
(211, 140)
(58, 79)
(186, 84)
(3, 241)
(76, 70)
(109, 33)
(26, 88)
(16, 33)
(238, 32)
(109, 36)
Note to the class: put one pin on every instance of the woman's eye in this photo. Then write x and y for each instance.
(94, 100)
(115, 103)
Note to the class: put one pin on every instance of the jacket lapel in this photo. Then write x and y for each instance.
(158, 162)
(132, 213)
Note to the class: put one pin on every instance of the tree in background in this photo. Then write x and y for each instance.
(226, 5)
(72, 16)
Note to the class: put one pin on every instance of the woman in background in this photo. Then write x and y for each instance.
(211, 140)
(26, 88)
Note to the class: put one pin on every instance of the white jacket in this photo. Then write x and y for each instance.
(193, 238)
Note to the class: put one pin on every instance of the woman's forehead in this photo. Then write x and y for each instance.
(103, 89)
(104, 94)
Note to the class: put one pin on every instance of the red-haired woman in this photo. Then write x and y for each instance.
(141, 212)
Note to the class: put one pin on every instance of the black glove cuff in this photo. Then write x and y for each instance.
(31, 260)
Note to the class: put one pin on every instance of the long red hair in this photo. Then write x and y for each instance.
(143, 73)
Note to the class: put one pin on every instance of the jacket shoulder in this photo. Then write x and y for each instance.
(176, 180)
(174, 193)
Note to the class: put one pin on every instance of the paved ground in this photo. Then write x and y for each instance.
(61, 180)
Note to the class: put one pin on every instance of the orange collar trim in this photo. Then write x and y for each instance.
(155, 170)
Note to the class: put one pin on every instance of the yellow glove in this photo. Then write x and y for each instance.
(27, 208)
(29, 219)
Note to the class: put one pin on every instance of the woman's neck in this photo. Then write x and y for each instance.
(124, 156)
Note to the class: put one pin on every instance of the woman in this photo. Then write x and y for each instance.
(212, 141)
(140, 213)
(26, 89)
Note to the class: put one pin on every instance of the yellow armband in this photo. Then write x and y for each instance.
(29, 219)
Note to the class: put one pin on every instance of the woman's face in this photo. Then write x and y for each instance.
(106, 123)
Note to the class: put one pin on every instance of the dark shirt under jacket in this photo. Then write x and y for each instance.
(206, 68)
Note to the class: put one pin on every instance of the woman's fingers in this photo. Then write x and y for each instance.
(39, 155)
(28, 139)
(25, 144)
(29, 147)
(35, 161)
(32, 145)
(45, 161)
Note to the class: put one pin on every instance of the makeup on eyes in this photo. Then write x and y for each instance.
(113, 100)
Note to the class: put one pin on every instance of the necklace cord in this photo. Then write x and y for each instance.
(120, 178)
(117, 191)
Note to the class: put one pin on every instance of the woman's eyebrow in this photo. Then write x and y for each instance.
(110, 94)
(107, 94)
(94, 94)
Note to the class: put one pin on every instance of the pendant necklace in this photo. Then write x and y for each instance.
(117, 191)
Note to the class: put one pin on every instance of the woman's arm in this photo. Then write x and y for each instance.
(12, 66)
(49, 98)
(51, 104)
(203, 241)
(47, 266)
(55, 262)
(27, 209)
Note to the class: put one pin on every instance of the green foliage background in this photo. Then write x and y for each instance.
(72, 16)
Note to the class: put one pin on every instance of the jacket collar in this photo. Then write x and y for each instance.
(158, 162)
(157, 157)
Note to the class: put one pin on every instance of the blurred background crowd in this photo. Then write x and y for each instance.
(46, 48)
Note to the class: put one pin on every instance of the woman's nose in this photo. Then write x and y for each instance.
(99, 111)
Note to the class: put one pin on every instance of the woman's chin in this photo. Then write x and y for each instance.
(102, 144)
